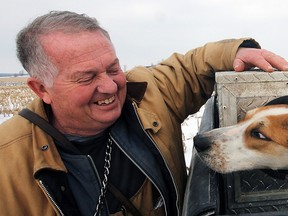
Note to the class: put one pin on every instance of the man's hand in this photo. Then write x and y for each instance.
(246, 58)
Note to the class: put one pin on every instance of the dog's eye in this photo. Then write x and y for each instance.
(259, 135)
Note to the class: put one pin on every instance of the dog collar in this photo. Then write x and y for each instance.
(279, 100)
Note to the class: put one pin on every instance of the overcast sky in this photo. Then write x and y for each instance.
(146, 31)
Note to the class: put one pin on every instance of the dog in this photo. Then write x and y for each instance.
(259, 141)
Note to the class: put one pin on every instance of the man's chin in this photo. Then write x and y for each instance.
(111, 119)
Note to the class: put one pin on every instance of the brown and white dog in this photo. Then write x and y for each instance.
(259, 141)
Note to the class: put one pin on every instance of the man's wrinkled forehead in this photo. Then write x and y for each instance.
(78, 47)
(97, 55)
(101, 46)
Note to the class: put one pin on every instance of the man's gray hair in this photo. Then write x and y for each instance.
(29, 48)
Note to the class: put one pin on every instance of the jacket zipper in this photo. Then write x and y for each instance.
(177, 198)
(96, 173)
(50, 197)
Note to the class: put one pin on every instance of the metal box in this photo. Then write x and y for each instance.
(251, 192)
(238, 92)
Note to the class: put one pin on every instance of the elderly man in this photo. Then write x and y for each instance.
(120, 148)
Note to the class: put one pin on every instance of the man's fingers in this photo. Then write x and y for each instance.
(262, 63)
(275, 60)
(239, 65)
(247, 58)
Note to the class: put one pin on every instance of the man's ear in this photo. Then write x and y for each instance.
(40, 89)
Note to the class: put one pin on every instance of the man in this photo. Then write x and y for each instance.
(123, 129)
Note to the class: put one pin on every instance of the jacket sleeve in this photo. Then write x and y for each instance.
(187, 81)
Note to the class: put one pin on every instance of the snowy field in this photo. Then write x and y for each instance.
(5, 117)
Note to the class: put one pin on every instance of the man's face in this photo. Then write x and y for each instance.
(89, 92)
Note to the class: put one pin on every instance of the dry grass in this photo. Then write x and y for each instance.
(14, 95)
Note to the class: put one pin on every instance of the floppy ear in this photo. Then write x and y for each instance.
(39, 88)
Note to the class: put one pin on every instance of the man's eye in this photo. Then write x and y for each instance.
(113, 71)
(259, 135)
(85, 80)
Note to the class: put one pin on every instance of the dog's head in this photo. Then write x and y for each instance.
(259, 141)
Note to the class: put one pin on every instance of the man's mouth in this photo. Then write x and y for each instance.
(106, 101)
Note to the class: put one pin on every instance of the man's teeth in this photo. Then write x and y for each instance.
(106, 101)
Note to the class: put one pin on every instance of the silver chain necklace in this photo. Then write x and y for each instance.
(107, 165)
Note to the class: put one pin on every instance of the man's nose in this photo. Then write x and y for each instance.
(106, 85)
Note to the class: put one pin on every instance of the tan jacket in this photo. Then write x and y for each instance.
(177, 87)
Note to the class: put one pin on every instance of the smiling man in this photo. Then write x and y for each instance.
(90, 79)
(111, 143)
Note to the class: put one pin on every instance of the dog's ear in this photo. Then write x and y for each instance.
(279, 100)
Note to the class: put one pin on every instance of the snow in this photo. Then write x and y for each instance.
(4, 117)
(190, 127)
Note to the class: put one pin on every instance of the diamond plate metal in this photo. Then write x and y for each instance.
(239, 92)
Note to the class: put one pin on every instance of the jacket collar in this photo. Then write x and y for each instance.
(136, 90)
(51, 159)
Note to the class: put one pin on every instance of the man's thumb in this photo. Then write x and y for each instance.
(238, 65)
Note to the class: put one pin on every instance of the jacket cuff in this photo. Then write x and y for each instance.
(251, 43)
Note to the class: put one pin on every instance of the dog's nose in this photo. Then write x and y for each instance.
(201, 142)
